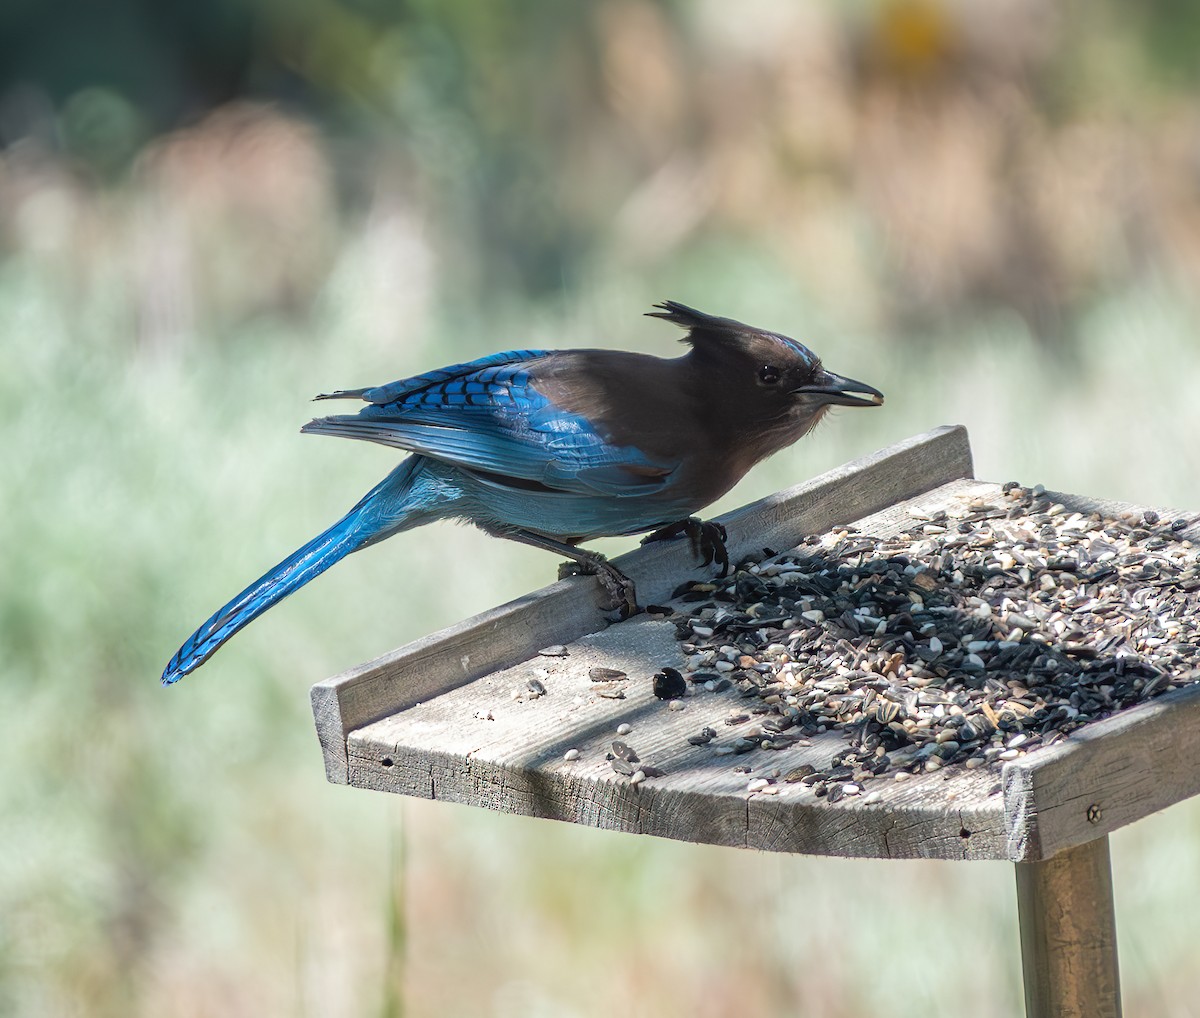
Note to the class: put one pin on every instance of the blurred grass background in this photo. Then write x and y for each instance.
(209, 213)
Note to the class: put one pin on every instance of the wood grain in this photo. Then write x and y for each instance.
(477, 745)
(566, 610)
(1107, 775)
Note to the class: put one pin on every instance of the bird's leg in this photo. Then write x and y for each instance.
(707, 538)
(619, 586)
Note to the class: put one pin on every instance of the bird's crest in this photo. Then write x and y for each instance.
(709, 328)
(691, 319)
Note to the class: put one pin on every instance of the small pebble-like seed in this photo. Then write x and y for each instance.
(571, 754)
(624, 728)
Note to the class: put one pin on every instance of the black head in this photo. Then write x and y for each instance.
(774, 377)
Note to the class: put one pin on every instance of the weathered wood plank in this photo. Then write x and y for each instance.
(1107, 775)
(566, 610)
(475, 744)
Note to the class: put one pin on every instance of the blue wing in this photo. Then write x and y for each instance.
(488, 416)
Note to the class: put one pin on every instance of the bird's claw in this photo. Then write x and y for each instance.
(618, 586)
(707, 538)
(571, 568)
(620, 589)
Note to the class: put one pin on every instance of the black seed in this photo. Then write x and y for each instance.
(669, 684)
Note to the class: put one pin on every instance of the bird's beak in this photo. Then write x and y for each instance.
(839, 391)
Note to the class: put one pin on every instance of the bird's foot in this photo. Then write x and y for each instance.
(619, 587)
(707, 538)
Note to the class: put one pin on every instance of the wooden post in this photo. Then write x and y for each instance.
(1069, 935)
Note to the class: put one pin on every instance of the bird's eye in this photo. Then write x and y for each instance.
(768, 374)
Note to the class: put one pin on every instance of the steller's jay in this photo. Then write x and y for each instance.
(552, 448)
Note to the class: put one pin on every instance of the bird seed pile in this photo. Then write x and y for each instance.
(972, 637)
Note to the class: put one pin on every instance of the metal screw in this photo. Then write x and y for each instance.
(1094, 813)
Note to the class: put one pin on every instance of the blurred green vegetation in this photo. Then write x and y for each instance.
(208, 214)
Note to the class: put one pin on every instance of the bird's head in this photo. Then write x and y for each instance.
(770, 378)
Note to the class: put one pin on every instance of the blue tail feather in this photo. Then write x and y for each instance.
(291, 574)
(389, 507)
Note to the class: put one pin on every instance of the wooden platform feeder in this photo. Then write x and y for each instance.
(438, 719)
